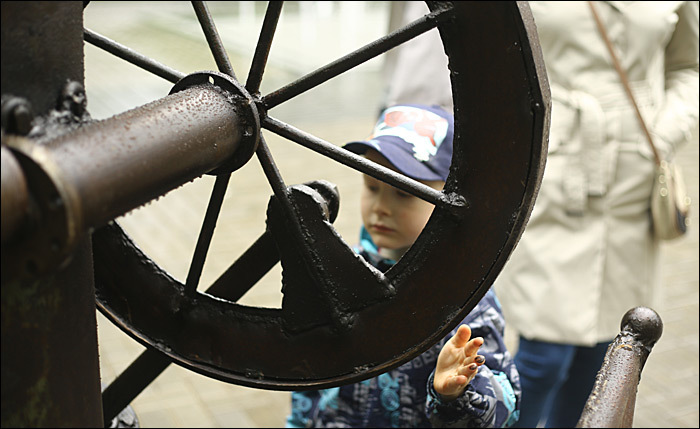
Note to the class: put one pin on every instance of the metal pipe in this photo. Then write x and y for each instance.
(611, 403)
(107, 168)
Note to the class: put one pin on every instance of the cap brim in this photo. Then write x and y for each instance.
(397, 155)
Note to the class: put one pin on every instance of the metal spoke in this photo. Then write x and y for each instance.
(363, 165)
(132, 56)
(131, 382)
(217, 195)
(217, 48)
(272, 173)
(357, 57)
(206, 233)
(262, 49)
(248, 269)
(281, 192)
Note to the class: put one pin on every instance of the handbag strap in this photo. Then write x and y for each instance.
(623, 78)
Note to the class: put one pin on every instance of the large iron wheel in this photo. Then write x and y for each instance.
(342, 321)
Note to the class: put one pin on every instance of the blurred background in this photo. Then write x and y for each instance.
(309, 35)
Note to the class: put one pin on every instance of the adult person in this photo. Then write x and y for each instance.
(588, 253)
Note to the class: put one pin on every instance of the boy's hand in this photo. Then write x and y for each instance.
(457, 364)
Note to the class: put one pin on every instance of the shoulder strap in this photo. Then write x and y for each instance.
(623, 78)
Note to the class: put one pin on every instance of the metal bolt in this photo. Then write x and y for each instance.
(73, 98)
(22, 117)
(17, 115)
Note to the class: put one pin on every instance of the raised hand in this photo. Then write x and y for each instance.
(457, 364)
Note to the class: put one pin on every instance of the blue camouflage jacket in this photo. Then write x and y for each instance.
(404, 397)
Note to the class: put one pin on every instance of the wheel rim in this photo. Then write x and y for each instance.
(243, 344)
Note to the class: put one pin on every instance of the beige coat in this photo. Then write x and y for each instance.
(587, 254)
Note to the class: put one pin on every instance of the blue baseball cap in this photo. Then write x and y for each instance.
(414, 138)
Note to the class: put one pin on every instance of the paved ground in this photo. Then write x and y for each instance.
(337, 112)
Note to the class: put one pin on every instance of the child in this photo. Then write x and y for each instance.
(449, 384)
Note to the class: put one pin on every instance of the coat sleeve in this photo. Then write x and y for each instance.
(679, 113)
(492, 398)
(303, 405)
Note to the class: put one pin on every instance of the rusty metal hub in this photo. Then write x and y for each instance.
(245, 106)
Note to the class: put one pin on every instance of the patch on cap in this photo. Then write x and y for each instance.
(423, 129)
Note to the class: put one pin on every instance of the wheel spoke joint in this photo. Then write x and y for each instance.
(453, 201)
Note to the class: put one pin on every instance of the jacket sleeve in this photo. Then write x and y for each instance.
(303, 404)
(492, 398)
(679, 113)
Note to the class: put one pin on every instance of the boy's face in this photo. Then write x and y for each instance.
(393, 218)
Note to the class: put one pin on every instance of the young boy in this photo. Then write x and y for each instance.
(450, 384)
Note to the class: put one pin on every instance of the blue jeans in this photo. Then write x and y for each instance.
(556, 381)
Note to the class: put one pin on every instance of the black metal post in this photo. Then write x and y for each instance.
(50, 365)
(611, 403)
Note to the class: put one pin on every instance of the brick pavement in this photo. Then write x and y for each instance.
(167, 231)
(668, 392)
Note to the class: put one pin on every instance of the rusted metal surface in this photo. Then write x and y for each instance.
(337, 287)
(50, 366)
(611, 403)
(110, 167)
(244, 128)
(32, 35)
(242, 275)
(107, 168)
